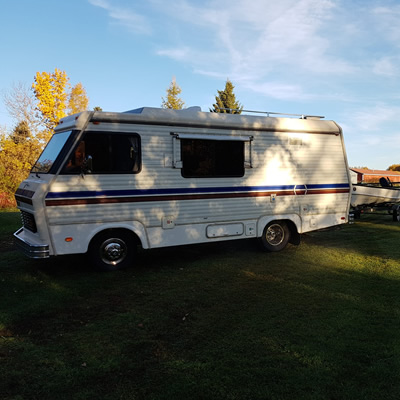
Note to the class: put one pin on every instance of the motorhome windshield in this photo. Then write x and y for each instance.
(50, 153)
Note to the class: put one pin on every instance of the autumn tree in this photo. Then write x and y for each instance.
(394, 167)
(77, 99)
(226, 101)
(19, 151)
(50, 91)
(36, 114)
(172, 100)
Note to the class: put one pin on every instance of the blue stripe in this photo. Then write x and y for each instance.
(147, 192)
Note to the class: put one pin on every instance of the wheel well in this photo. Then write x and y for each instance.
(115, 231)
(294, 234)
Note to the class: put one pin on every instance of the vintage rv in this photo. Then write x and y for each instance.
(107, 182)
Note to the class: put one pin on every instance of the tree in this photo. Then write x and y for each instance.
(173, 101)
(97, 108)
(21, 133)
(226, 99)
(19, 151)
(77, 100)
(50, 92)
(36, 116)
(20, 103)
(394, 167)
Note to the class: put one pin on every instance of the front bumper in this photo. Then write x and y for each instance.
(32, 250)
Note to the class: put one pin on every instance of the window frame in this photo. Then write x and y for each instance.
(109, 134)
(210, 137)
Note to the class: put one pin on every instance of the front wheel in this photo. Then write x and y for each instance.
(276, 236)
(112, 250)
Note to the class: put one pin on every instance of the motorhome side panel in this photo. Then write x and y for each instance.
(288, 179)
(157, 195)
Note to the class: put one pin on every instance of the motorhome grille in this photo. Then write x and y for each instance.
(28, 221)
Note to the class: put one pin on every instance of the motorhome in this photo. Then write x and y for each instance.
(107, 182)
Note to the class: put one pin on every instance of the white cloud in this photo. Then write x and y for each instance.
(279, 91)
(375, 119)
(284, 39)
(178, 54)
(386, 66)
(133, 22)
(288, 50)
(388, 20)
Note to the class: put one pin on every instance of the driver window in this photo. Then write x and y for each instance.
(75, 163)
(105, 153)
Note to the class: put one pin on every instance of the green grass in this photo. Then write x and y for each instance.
(215, 321)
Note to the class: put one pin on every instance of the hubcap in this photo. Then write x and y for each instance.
(113, 251)
(275, 235)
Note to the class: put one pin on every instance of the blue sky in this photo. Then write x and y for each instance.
(337, 58)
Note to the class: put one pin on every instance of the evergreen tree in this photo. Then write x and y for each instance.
(173, 101)
(21, 133)
(227, 99)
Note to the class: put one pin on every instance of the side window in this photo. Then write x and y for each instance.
(212, 158)
(105, 153)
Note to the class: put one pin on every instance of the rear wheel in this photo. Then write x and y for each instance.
(112, 250)
(276, 236)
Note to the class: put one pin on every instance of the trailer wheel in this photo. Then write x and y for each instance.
(396, 215)
(276, 236)
(112, 250)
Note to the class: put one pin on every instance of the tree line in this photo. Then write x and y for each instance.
(38, 109)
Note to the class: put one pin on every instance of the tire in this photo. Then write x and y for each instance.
(112, 250)
(276, 236)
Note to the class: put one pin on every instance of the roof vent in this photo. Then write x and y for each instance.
(144, 110)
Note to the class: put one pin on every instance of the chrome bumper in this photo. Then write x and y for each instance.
(31, 250)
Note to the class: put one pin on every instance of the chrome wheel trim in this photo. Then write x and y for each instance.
(113, 251)
(275, 235)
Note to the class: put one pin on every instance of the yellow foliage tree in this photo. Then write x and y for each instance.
(20, 149)
(78, 100)
(51, 94)
(17, 155)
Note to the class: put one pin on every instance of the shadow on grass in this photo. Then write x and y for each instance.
(214, 321)
(205, 322)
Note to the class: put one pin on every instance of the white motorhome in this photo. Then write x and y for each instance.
(107, 182)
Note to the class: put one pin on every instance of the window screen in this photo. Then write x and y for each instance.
(98, 152)
(212, 158)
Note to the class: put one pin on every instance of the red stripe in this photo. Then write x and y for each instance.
(145, 199)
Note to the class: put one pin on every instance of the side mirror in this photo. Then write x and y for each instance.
(87, 165)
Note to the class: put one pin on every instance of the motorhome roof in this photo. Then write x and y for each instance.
(193, 117)
(193, 109)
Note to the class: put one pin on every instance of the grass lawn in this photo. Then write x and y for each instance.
(216, 321)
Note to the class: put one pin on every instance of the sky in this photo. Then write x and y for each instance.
(335, 58)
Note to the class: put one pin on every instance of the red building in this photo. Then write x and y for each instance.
(373, 175)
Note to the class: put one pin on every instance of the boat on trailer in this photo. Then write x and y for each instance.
(369, 195)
